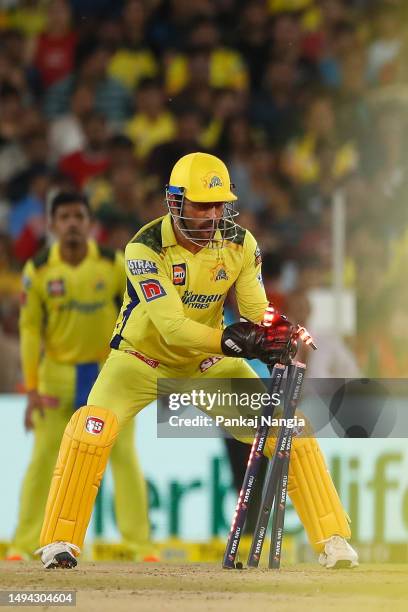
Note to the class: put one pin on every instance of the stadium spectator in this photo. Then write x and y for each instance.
(124, 201)
(14, 64)
(384, 50)
(111, 97)
(252, 40)
(235, 145)
(344, 41)
(172, 22)
(133, 61)
(54, 53)
(66, 133)
(93, 158)
(34, 154)
(275, 107)
(189, 127)
(29, 16)
(27, 215)
(301, 161)
(225, 67)
(286, 45)
(12, 157)
(152, 123)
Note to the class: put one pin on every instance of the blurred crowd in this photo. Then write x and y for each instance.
(302, 99)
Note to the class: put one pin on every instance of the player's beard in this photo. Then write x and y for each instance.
(204, 232)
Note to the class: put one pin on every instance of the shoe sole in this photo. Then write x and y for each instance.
(63, 560)
(343, 564)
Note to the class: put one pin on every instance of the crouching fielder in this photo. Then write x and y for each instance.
(179, 269)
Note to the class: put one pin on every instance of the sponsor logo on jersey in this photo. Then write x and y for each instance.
(211, 180)
(179, 274)
(83, 307)
(152, 289)
(141, 266)
(94, 425)
(100, 285)
(56, 287)
(221, 275)
(207, 363)
(200, 300)
(153, 363)
(257, 256)
(219, 272)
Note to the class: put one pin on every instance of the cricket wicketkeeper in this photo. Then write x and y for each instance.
(179, 269)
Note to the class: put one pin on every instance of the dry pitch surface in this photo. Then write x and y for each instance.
(119, 587)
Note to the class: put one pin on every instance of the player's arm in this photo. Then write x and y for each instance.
(250, 292)
(146, 272)
(30, 324)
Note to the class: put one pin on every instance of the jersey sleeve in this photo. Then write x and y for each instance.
(146, 272)
(250, 292)
(30, 324)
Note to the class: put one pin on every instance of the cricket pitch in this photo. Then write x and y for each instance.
(158, 587)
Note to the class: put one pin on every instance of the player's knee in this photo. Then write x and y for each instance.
(93, 425)
(124, 448)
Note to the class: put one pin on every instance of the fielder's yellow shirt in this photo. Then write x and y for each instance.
(70, 310)
(173, 306)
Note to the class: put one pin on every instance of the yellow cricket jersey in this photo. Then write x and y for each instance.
(71, 310)
(173, 306)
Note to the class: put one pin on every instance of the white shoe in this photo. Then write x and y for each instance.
(58, 554)
(338, 554)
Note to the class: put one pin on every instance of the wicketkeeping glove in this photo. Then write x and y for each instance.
(274, 344)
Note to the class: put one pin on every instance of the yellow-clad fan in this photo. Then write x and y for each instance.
(70, 302)
(179, 269)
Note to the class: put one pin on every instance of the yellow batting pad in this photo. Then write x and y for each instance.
(313, 493)
(83, 455)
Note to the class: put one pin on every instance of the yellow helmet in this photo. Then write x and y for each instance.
(203, 177)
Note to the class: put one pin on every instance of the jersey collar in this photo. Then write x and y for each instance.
(55, 256)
